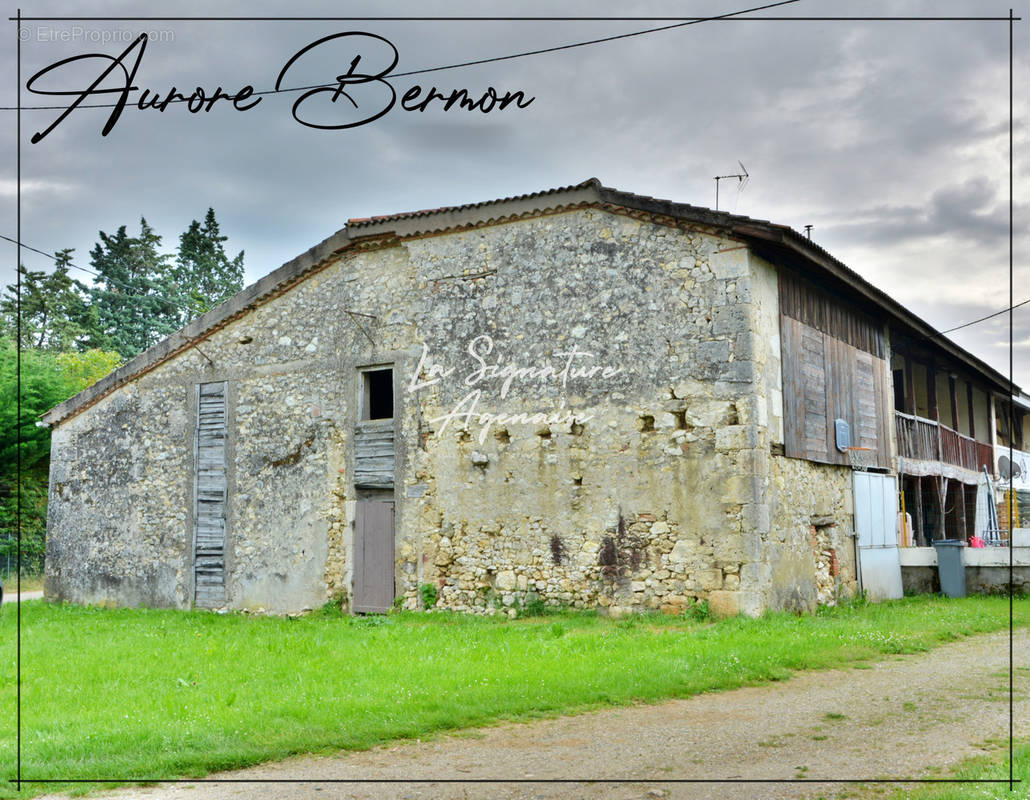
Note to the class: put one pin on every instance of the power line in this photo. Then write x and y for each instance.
(48, 255)
(557, 48)
(982, 319)
(132, 291)
(184, 308)
(552, 18)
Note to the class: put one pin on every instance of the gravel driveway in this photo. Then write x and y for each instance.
(901, 718)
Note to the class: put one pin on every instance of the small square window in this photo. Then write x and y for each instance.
(378, 394)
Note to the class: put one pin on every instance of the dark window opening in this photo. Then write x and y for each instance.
(379, 394)
(899, 390)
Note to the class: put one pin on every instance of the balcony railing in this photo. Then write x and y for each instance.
(927, 440)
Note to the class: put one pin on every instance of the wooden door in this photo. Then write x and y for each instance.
(373, 556)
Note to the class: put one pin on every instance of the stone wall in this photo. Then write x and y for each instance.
(647, 486)
(810, 552)
(979, 580)
(644, 504)
(120, 498)
(986, 568)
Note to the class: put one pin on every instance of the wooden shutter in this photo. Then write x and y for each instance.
(867, 417)
(825, 379)
(373, 455)
(813, 393)
(209, 515)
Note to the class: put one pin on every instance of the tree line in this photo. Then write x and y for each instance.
(139, 294)
(71, 335)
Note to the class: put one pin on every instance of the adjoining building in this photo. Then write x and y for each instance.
(582, 395)
(1013, 467)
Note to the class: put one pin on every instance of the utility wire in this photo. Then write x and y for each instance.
(184, 308)
(48, 255)
(492, 60)
(131, 291)
(982, 319)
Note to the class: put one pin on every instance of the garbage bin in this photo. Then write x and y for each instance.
(951, 566)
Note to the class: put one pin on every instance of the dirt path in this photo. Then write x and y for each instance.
(901, 718)
(14, 598)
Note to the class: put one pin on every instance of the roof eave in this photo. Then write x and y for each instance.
(587, 193)
(220, 315)
(792, 241)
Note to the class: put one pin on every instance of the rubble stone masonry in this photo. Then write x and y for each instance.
(640, 477)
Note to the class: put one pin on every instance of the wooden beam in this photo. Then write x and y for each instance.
(972, 415)
(954, 402)
(931, 391)
(964, 534)
(992, 423)
(920, 526)
(910, 387)
(940, 490)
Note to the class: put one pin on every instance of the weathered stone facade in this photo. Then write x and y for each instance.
(641, 477)
(812, 535)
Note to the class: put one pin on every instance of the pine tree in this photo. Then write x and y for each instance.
(55, 314)
(134, 291)
(204, 275)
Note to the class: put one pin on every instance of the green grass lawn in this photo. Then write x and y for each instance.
(145, 693)
(975, 769)
(981, 768)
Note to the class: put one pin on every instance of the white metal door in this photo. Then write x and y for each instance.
(876, 521)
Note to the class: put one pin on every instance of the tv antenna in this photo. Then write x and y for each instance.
(742, 179)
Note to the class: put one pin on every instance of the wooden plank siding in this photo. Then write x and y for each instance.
(374, 455)
(817, 308)
(815, 400)
(834, 367)
(210, 497)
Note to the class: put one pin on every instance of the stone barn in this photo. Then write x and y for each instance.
(582, 395)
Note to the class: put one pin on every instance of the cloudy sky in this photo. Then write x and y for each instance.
(889, 137)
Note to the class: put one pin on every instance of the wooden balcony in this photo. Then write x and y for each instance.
(927, 440)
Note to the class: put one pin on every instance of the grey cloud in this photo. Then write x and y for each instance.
(880, 134)
(970, 211)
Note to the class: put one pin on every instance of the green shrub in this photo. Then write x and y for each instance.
(700, 611)
(427, 592)
(533, 606)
